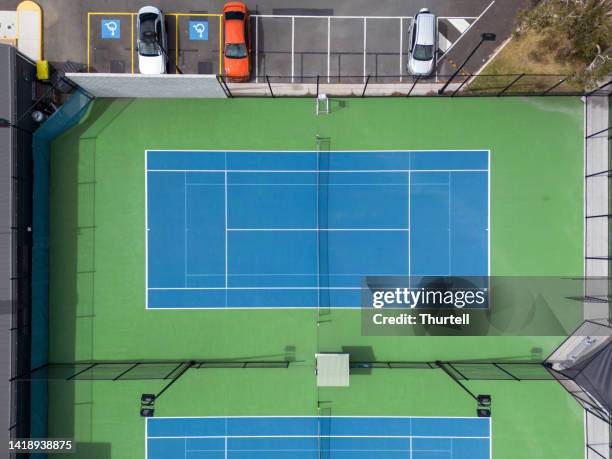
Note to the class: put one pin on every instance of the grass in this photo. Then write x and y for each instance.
(97, 269)
(531, 55)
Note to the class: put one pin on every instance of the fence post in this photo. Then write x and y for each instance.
(270, 86)
(590, 93)
(416, 80)
(554, 86)
(510, 85)
(597, 133)
(317, 96)
(224, 86)
(459, 88)
(365, 86)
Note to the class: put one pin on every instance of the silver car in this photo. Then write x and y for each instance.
(422, 44)
(152, 40)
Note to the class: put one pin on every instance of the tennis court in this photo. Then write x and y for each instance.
(252, 229)
(318, 438)
(100, 202)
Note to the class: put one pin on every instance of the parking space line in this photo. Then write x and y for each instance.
(401, 47)
(133, 38)
(107, 13)
(443, 43)
(301, 16)
(365, 37)
(88, 38)
(292, 46)
(460, 24)
(466, 30)
(328, 44)
(132, 41)
(437, 50)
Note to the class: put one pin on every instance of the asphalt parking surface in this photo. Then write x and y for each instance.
(290, 49)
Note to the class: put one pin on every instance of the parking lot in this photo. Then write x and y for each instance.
(342, 49)
(193, 42)
(292, 40)
(287, 48)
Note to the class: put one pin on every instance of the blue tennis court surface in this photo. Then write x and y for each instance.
(318, 438)
(251, 229)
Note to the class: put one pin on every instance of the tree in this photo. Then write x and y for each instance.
(576, 30)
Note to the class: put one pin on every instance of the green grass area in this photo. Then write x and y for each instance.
(532, 55)
(97, 271)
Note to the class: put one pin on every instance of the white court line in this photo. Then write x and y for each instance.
(318, 255)
(466, 30)
(450, 197)
(491, 438)
(312, 171)
(460, 24)
(489, 214)
(409, 233)
(451, 437)
(182, 150)
(226, 243)
(314, 184)
(146, 201)
(146, 435)
(315, 416)
(185, 229)
(320, 229)
(311, 274)
(253, 288)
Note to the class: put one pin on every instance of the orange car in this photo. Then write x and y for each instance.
(237, 49)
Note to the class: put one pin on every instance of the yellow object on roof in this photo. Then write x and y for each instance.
(42, 70)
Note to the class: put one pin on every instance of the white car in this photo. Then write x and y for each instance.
(422, 44)
(152, 41)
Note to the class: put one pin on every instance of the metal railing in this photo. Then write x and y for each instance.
(462, 85)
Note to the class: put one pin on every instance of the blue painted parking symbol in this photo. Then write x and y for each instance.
(198, 30)
(111, 29)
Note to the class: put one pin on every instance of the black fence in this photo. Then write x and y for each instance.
(134, 370)
(171, 371)
(460, 85)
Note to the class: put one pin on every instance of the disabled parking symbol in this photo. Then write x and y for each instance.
(111, 29)
(198, 30)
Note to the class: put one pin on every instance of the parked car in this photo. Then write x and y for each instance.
(152, 41)
(237, 48)
(422, 44)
